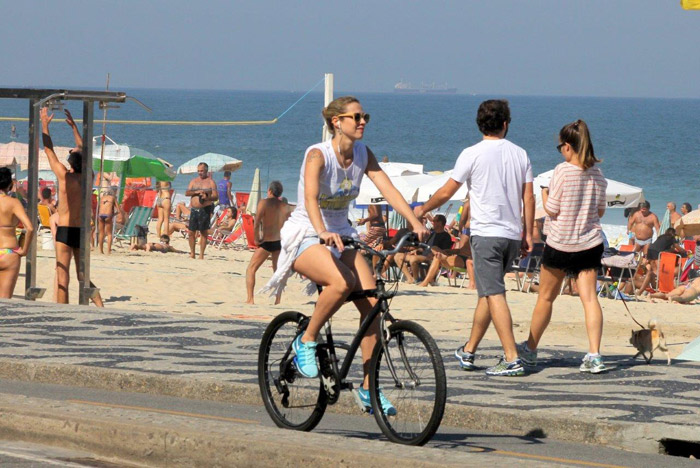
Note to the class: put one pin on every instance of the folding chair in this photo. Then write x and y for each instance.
(139, 216)
(529, 265)
(248, 222)
(666, 276)
(44, 216)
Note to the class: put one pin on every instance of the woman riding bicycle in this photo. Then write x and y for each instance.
(330, 179)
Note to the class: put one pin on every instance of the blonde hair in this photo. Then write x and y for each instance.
(335, 108)
(577, 135)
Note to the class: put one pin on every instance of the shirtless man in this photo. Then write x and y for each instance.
(271, 215)
(105, 222)
(46, 199)
(642, 225)
(69, 207)
(204, 194)
(675, 216)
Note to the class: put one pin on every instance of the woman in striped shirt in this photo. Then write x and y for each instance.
(574, 201)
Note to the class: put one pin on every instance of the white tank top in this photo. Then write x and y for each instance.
(338, 187)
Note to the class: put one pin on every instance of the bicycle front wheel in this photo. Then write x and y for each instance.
(292, 401)
(417, 389)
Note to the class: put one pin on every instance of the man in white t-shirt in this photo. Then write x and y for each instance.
(499, 177)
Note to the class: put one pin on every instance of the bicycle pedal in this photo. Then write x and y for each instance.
(361, 405)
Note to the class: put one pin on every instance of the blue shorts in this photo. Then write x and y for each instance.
(311, 241)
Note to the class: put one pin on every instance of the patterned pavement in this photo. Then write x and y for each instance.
(216, 350)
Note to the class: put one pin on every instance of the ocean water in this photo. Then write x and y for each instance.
(651, 143)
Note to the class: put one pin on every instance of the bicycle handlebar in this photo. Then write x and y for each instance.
(409, 240)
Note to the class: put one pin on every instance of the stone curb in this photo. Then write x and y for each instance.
(177, 441)
(637, 437)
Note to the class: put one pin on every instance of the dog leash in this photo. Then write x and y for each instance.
(629, 311)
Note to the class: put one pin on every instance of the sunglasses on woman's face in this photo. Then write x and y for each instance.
(357, 116)
(560, 146)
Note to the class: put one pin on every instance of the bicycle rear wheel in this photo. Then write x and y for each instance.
(419, 396)
(293, 402)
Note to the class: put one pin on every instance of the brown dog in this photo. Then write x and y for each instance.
(648, 341)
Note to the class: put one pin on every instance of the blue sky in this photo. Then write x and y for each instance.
(645, 48)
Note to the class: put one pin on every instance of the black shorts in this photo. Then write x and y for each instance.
(271, 246)
(69, 236)
(573, 262)
(200, 218)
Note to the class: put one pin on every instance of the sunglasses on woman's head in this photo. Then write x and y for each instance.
(357, 116)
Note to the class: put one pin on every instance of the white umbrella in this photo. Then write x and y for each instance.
(400, 175)
(216, 163)
(18, 153)
(617, 195)
(427, 190)
(255, 195)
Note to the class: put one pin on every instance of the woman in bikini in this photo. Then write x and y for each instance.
(105, 220)
(329, 181)
(11, 212)
(164, 206)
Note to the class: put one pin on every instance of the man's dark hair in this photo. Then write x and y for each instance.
(206, 166)
(275, 188)
(670, 232)
(491, 115)
(688, 207)
(227, 173)
(75, 161)
(5, 178)
(46, 193)
(440, 218)
(644, 204)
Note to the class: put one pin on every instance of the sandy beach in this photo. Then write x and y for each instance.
(215, 287)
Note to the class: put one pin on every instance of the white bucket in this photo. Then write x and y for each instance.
(47, 241)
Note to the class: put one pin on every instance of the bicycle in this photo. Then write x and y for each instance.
(406, 364)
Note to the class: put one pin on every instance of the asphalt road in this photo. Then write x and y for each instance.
(359, 427)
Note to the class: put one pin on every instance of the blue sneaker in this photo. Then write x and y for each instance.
(465, 358)
(305, 358)
(387, 407)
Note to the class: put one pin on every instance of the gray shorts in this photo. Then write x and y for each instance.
(493, 256)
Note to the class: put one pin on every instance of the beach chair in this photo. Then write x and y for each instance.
(666, 275)
(138, 216)
(529, 265)
(626, 248)
(689, 246)
(44, 216)
(248, 223)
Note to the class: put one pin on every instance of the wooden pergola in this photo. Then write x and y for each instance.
(37, 99)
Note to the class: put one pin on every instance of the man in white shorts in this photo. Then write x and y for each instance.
(499, 177)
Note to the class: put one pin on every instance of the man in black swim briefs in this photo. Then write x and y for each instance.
(69, 207)
(204, 193)
(269, 218)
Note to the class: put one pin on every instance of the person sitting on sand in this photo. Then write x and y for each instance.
(684, 293)
(642, 225)
(439, 241)
(105, 222)
(163, 246)
(182, 211)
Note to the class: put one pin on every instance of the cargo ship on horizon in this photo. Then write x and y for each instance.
(405, 87)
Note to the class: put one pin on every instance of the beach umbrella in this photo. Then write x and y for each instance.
(691, 352)
(689, 223)
(428, 189)
(216, 163)
(140, 163)
(400, 175)
(617, 195)
(15, 153)
(255, 195)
